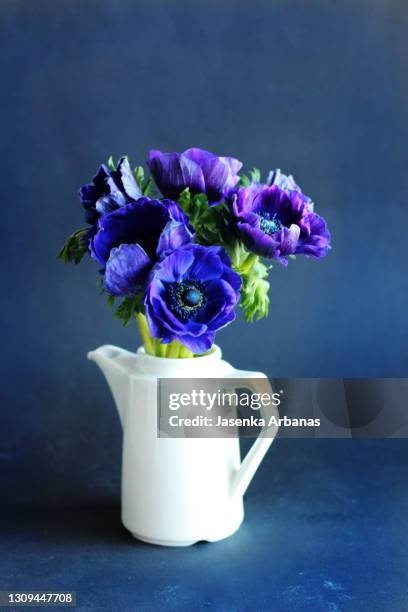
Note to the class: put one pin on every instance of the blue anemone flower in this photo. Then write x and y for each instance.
(199, 170)
(275, 222)
(109, 190)
(131, 239)
(190, 295)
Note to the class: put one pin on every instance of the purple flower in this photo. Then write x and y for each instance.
(190, 295)
(287, 183)
(199, 170)
(274, 222)
(108, 191)
(128, 242)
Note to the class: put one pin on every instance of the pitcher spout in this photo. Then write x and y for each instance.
(112, 362)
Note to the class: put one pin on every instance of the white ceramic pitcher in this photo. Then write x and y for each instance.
(176, 491)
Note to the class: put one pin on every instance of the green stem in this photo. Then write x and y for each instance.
(180, 351)
(153, 346)
(173, 350)
(233, 252)
(147, 339)
(184, 352)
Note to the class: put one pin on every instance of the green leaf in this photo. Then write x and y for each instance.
(200, 200)
(147, 188)
(255, 288)
(111, 164)
(241, 258)
(138, 173)
(244, 180)
(219, 226)
(129, 307)
(255, 298)
(199, 209)
(255, 175)
(210, 223)
(184, 200)
(111, 300)
(255, 291)
(74, 247)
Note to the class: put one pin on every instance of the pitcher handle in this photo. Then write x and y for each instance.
(266, 436)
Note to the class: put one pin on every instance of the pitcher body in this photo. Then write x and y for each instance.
(175, 491)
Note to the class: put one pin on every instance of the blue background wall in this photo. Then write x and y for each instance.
(318, 89)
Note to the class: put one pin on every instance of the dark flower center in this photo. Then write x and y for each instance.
(192, 297)
(187, 298)
(270, 223)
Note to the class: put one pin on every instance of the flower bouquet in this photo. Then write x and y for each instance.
(182, 248)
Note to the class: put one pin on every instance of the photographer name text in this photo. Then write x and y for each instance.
(252, 421)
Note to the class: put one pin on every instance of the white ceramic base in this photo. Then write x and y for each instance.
(162, 542)
(225, 535)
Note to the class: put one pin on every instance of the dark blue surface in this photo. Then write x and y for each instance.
(317, 88)
(325, 530)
